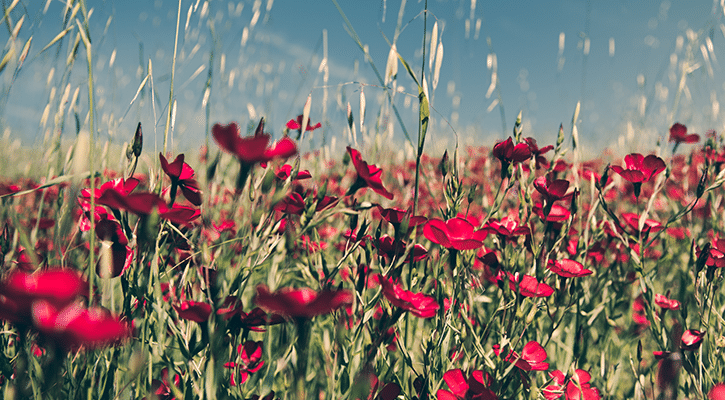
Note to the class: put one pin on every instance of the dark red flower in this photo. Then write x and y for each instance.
(396, 217)
(302, 303)
(182, 176)
(577, 387)
(678, 134)
(552, 190)
(296, 124)
(640, 169)
(193, 310)
(285, 171)
(528, 286)
(390, 248)
(419, 304)
(568, 268)
(507, 152)
(367, 175)
(249, 361)
(691, 339)
(456, 233)
(475, 387)
(251, 149)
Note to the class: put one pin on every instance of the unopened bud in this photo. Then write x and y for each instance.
(443, 165)
(137, 145)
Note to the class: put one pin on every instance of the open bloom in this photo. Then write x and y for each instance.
(193, 310)
(367, 175)
(691, 339)
(639, 168)
(251, 149)
(249, 361)
(475, 387)
(456, 233)
(531, 359)
(568, 268)
(302, 303)
(419, 304)
(665, 303)
(551, 189)
(577, 387)
(528, 286)
(297, 124)
(182, 177)
(678, 134)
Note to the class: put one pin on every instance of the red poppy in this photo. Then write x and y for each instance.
(665, 303)
(59, 286)
(296, 124)
(74, 325)
(391, 247)
(285, 171)
(531, 359)
(251, 149)
(678, 134)
(577, 387)
(568, 268)
(639, 168)
(538, 153)
(193, 310)
(475, 387)
(145, 203)
(507, 152)
(367, 175)
(506, 227)
(396, 216)
(456, 233)
(419, 304)
(717, 392)
(182, 176)
(691, 339)
(302, 303)
(552, 190)
(249, 361)
(528, 286)
(557, 213)
(650, 225)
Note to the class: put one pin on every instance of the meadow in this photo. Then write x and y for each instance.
(253, 269)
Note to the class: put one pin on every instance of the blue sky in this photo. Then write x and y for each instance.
(627, 81)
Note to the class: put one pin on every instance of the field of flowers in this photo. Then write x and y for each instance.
(256, 270)
(493, 273)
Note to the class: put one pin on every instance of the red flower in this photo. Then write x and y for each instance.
(367, 175)
(419, 304)
(577, 388)
(302, 303)
(193, 310)
(250, 361)
(456, 233)
(396, 216)
(506, 227)
(285, 171)
(557, 213)
(717, 392)
(391, 247)
(639, 168)
(297, 124)
(507, 152)
(475, 387)
(552, 190)
(528, 286)
(531, 359)
(678, 134)
(251, 149)
(665, 303)
(568, 268)
(638, 313)
(182, 176)
(74, 325)
(691, 339)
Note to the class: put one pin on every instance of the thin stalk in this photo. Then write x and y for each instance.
(171, 86)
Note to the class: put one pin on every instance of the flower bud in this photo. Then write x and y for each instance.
(137, 145)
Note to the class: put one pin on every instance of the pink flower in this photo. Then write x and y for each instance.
(456, 233)
(691, 339)
(302, 303)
